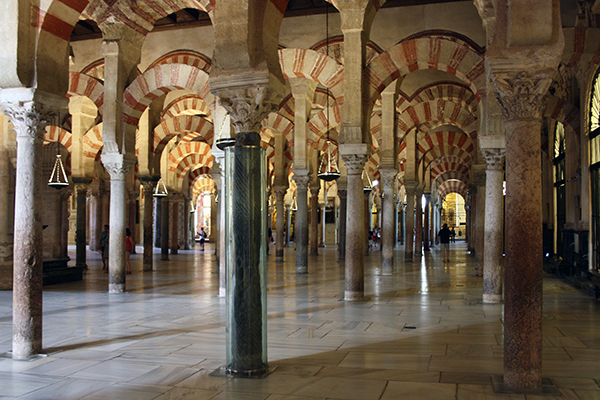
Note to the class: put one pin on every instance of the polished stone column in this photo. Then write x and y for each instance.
(81, 188)
(494, 221)
(133, 195)
(164, 228)
(279, 224)
(313, 235)
(411, 190)
(301, 226)
(174, 228)
(355, 226)
(95, 216)
(29, 120)
(521, 94)
(185, 220)
(419, 223)
(343, 195)
(288, 224)
(389, 227)
(367, 217)
(149, 185)
(426, 225)
(118, 166)
(217, 174)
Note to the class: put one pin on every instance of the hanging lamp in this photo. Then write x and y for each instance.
(58, 178)
(192, 208)
(161, 189)
(328, 168)
(369, 186)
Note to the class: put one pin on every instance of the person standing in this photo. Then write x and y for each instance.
(444, 238)
(453, 235)
(203, 236)
(128, 250)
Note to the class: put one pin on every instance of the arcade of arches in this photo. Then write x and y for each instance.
(459, 100)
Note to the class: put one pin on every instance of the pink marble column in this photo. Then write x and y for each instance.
(29, 120)
(494, 221)
(388, 178)
(355, 229)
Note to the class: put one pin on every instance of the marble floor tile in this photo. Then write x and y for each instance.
(342, 388)
(419, 390)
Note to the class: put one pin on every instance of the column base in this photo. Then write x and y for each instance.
(546, 389)
(147, 268)
(354, 296)
(164, 258)
(301, 270)
(492, 298)
(278, 258)
(116, 287)
(223, 372)
(32, 357)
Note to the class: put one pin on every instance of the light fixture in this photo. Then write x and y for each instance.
(192, 208)
(161, 189)
(295, 204)
(369, 186)
(58, 178)
(328, 169)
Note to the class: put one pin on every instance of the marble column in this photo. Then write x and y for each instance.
(95, 216)
(494, 221)
(301, 226)
(314, 221)
(366, 217)
(288, 224)
(164, 228)
(29, 119)
(389, 227)
(355, 224)
(279, 224)
(343, 195)
(419, 222)
(133, 195)
(411, 190)
(149, 185)
(81, 187)
(521, 94)
(426, 225)
(174, 222)
(118, 166)
(185, 220)
(218, 176)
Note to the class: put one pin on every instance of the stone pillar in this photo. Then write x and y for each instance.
(411, 190)
(426, 227)
(185, 220)
(389, 227)
(164, 228)
(133, 195)
(494, 221)
(478, 177)
(81, 188)
(118, 166)
(95, 216)
(355, 224)
(313, 234)
(279, 224)
(522, 97)
(218, 178)
(149, 185)
(419, 222)
(29, 119)
(288, 224)
(343, 195)
(301, 226)
(367, 217)
(174, 228)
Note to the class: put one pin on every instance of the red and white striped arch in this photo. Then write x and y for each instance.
(198, 173)
(449, 91)
(187, 155)
(183, 124)
(187, 105)
(203, 185)
(453, 186)
(445, 143)
(334, 47)
(435, 113)
(317, 125)
(92, 142)
(279, 123)
(85, 85)
(439, 50)
(57, 134)
(449, 163)
(158, 81)
(449, 175)
(187, 57)
(305, 63)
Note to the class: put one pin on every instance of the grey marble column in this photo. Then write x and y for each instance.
(494, 221)
(29, 120)
(279, 224)
(301, 226)
(313, 235)
(118, 166)
(81, 188)
(174, 222)
(149, 185)
(410, 221)
(355, 228)
(389, 227)
(419, 222)
(217, 174)
(366, 218)
(343, 195)
(133, 195)
(164, 228)
(426, 226)
(288, 224)
(95, 216)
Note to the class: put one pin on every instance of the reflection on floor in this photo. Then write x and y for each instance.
(422, 334)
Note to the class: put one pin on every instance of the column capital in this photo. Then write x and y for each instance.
(342, 193)
(247, 106)
(280, 192)
(411, 188)
(302, 181)
(522, 94)
(355, 163)
(494, 158)
(149, 182)
(118, 165)
(388, 178)
(81, 183)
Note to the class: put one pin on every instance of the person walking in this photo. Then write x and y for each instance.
(444, 238)
(203, 236)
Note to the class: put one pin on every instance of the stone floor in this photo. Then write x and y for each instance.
(422, 334)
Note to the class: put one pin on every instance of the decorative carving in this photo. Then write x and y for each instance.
(494, 158)
(302, 181)
(279, 193)
(118, 170)
(247, 107)
(342, 193)
(521, 96)
(388, 179)
(29, 119)
(355, 163)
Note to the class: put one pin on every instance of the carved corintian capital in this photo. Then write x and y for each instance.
(29, 119)
(522, 96)
(247, 107)
(302, 181)
(355, 163)
(494, 158)
(388, 178)
(118, 165)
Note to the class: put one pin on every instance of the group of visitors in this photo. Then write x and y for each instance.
(104, 249)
